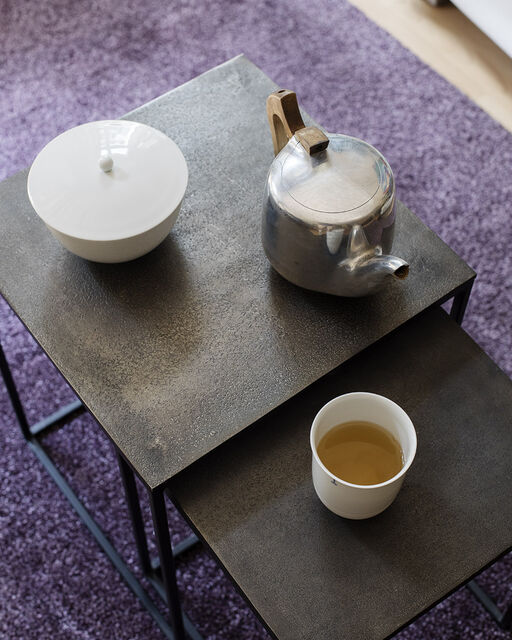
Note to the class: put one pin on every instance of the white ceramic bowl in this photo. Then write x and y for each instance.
(344, 498)
(109, 191)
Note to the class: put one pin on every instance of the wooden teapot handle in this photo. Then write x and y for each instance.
(285, 121)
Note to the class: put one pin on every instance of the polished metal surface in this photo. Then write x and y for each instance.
(328, 218)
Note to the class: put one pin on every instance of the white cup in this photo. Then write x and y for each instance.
(356, 501)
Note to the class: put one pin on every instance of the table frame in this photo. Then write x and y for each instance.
(161, 571)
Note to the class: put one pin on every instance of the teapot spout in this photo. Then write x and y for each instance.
(387, 265)
(366, 275)
(368, 265)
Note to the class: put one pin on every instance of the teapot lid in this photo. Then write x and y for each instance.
(346, 183)
(107, 180)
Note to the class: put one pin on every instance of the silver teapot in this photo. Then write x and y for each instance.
(329, 210)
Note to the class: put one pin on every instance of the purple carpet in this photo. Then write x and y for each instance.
(63, 63)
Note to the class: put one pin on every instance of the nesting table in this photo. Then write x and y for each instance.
(199, 357)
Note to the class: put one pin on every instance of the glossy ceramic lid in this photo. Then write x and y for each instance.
(348, 183)
(107, 180)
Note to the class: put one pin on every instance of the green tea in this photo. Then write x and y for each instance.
(361, 453)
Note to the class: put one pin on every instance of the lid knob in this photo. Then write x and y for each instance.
(106, 163)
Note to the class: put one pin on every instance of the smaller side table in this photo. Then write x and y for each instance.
(310, 574)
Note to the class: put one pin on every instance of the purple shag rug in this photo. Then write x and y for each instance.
(63, 63)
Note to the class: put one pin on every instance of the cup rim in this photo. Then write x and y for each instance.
(314, 428)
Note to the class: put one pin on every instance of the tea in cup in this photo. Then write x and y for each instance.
(362, 445)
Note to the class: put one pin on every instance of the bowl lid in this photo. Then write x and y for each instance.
(350, 181)
(107, 180)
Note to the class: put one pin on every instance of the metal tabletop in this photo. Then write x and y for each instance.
(310, 574)
(176, 352)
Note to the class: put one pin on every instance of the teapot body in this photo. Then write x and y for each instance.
(312, 241)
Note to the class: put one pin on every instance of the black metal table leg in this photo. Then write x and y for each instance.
(506, 618)
(14, 397)
(33, 435)
(163, 540)
(133, 504)
(100, 537)
(460, 302)
(153, 567)
(57, 418)
(503, 618)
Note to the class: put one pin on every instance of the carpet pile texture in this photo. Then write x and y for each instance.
(63, 63)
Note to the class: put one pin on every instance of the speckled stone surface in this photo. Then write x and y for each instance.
(176, 352)
(311, 574)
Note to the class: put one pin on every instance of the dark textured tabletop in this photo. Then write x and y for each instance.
(177, 351)
(311, 574)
